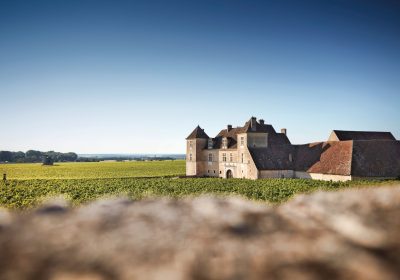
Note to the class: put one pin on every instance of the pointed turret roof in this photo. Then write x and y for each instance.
(198, 132)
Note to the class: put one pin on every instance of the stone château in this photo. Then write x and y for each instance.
(256, 151)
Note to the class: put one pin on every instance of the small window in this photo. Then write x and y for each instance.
(220, 172)
(210, 143)
(224, 143)
(208, 171)
(242, 157)
(190, 157)
(230, 157)
(242, 141)
(190, 145)
(214, 171)
(223, 157)
(210, 157)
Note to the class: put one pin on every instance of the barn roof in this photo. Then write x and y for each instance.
(343, 135)
(335, 159)
(307, 155)
(376, 158)
(373, 158)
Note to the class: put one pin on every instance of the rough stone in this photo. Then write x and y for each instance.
(351, 234)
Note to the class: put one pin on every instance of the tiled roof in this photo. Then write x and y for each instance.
(231, 135)
(307, 155)
(274, 138)
(324, 157)
(198, 132)
(376, 158)
(273, 158)
(278, 139)
(343, 135)
(335, 158)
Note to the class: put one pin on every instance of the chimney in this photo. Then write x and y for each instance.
(284, 131)
(229, 127)
(261, 122)
(253, 123)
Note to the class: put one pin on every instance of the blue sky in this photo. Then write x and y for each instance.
(138, 76)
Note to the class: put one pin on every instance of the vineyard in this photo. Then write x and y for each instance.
(30, 185)
(19, 194)
(85, 170)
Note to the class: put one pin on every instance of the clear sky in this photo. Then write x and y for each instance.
(138, 76)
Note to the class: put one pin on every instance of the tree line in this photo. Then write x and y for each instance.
(36, 156)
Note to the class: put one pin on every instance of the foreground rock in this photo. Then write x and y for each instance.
(352, 234)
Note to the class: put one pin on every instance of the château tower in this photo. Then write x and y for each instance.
(195, 143)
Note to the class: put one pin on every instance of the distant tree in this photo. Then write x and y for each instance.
(34, 156)
(19, 157)
(6, 156)
(70, 157)
(48, 160)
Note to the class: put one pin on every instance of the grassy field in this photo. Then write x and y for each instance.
(31, 184)
(86, 170)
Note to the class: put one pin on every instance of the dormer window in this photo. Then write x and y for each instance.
(224, 143)
(210, 143)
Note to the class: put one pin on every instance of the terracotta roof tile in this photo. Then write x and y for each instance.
(307, 155)
(335, 158)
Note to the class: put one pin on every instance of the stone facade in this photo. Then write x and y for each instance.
(257, 151)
